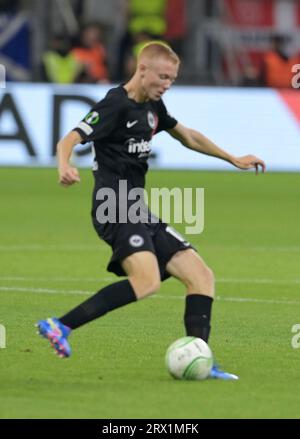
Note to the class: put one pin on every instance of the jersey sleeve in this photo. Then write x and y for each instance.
(165, 120)
(101, 120)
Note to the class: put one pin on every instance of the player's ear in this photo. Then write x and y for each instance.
(142, 69)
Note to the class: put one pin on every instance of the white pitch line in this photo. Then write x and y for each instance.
(156, 296)
(253, 300)
(45, 290)
(237, 299)
(57, 279)
(96, 247)
(258, 281)
(112, 279)
(52, 248)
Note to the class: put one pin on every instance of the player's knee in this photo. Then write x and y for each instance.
(210, 279)
(151, 284)
(201, 281)
(145, 285)
(210, 275)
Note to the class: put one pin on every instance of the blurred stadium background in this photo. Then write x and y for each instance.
(236, 82)
(236, 86)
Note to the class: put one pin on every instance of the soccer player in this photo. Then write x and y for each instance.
(121, 126)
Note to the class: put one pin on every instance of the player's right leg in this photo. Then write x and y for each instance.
(143, 279)
(57, 333)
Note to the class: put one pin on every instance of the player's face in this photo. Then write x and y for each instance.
(157, 77)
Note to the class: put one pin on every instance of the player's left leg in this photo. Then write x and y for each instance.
(198, 278)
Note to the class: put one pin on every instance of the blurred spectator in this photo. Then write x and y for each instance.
(9, 5)
(92, 54)
(278, 63)
(251, 76)
(139, 39)
(15, 41)
(59, 65)
(176, 24)
(143, 18)
(147, 16)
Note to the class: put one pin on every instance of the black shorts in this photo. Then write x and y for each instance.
(126, 239)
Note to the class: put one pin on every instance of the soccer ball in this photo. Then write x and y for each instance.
(189, 358)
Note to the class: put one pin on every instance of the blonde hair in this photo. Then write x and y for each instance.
(155, 49)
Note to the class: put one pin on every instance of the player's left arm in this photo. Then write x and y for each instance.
(198, 142)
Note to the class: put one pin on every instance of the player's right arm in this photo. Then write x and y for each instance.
(67, 174)
(96, 125)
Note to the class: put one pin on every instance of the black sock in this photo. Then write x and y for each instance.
(109, 298)
(197, 315)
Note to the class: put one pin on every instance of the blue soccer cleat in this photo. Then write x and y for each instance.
(221, 375)
(57, 334)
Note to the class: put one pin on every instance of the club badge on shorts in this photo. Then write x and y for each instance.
(136, 241)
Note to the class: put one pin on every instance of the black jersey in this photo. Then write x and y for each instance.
(121, 130)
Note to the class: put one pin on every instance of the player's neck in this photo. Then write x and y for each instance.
(135, 91)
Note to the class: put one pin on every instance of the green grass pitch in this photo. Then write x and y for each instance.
(51, 259)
